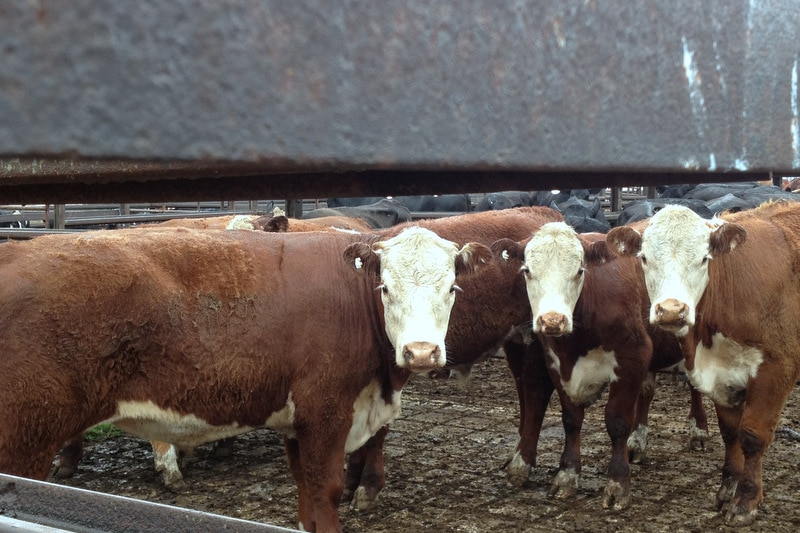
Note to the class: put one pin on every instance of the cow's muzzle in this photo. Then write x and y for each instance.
(671, 314)
(553, 324)
(422, 356)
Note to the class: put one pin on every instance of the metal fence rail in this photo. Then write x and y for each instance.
(26, 504)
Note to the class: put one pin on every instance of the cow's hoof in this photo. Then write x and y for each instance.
(175, 484)
(736, 516)
(565, 485)
(616, 497)
(223, 448)
(362, 501)
(518, 471)
(698, 439)
(636, 456)
(64, 471)
(725, 493)
(347, 495)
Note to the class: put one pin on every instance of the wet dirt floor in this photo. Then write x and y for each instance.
(444, 470)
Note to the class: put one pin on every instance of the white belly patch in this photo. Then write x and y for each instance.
(370, 413)
(148, 421)
(590, 376)
(723, 370)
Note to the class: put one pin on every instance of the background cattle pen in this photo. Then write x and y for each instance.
(117, 104)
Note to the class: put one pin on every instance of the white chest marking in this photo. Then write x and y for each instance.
(370, 413)
(590, 376)
(723, 370)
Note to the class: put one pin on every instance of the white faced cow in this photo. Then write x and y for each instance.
(731, 288)
(588, 309)
(188, 336)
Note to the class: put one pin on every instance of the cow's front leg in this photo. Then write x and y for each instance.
(565, 484)
(321, 451)
(534, 389)
(637, 441)
(728, 419)
(698, 421)
(620, 415)
(305, 506)
(366, 474)
(761, 413)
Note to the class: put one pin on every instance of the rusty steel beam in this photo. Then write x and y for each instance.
(215, 98)
(25, 502)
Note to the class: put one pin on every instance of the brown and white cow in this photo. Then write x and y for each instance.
(490, 307)
(588, 309)
(166, 457)
(730, 288)
(187, 337)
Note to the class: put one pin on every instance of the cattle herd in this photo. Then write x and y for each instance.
(195, 331)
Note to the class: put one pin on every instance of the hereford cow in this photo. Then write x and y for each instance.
(191, 336)
(490, 308)
(588, 309)
(730, 288)
(167, 457)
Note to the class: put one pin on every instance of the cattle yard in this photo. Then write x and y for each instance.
(444, 460)
(122, 115)
(25, 221)
(445, 454)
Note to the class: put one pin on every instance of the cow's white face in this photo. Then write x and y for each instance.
(417, 283)
(553, 268)
(418, 291)
(675, 252)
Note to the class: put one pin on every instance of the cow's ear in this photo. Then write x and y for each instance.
(596, 252)
(471, 258)
(505, 249)
(726, 238)
(624, 240)
(363, 258)
(279, 224)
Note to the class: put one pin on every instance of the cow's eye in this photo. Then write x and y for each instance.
(525, 270)
(581, 271)
(455, 288)
(383, 288)
(705, 259)
(644, 259)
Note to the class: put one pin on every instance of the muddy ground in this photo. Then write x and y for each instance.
(444, 470)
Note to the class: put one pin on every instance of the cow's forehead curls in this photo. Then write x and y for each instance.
(415, 249)
(553, 240)
(679, 228)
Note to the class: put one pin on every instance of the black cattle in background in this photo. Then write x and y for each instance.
(495, 201)
(721, 197)
(641, 209)
(439, 203)
(384, 213)
(434, 203)
(354, 201)
(586, 216)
